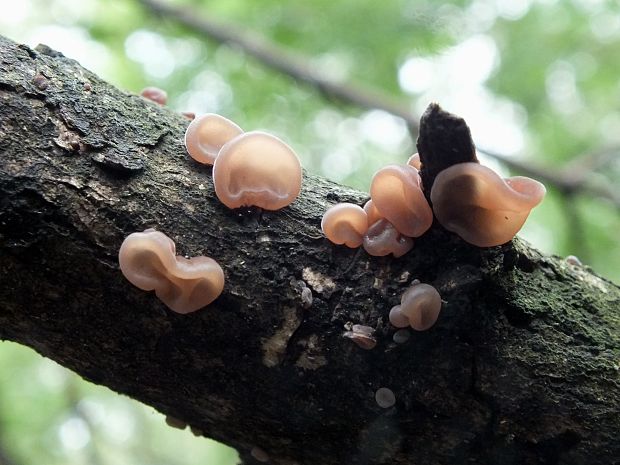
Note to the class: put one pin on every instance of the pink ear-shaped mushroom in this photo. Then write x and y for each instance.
(148, 261)
(256, 168)
(395, 192)
(421, 304)
(345, 223)
(383, 239)
(477, 204)
(206, 135)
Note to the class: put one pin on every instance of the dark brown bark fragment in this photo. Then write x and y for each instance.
(521, 368)
(444, 140)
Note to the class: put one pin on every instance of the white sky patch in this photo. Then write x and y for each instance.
(14, 12)
(456, 80)
(561, 86)
(384, 130)
(151, 50)
(605, 26)
(338, 164)
(335, 66)
(513, 9)
(480, 16)
(416, 74)
(120, 424)
(52, 375)
(208, 93)
(73, 42)
(74, 434)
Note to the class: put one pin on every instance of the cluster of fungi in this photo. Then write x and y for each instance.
(258, 169)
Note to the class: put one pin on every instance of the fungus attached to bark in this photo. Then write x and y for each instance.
(397, 318)
(421, 304)
(395, 192)
(148, 261)
(477, 204)
(155, 94)
(383, 239)
(257, 169)
(363, 336)
(345, 223)
(414, 160)
(372, 212)
(206, 135)
(385, 397)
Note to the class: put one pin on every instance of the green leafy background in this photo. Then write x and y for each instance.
(537, 80)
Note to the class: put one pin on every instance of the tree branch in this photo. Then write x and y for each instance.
(299, 68)
(522, 366)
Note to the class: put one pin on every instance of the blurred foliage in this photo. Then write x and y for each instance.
(535, 79)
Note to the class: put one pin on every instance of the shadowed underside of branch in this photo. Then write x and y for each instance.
(521, 368)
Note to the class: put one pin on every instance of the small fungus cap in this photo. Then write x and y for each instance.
(345, 223)
(477, 204)
(395, 192)
(148, 261)
(206, 135)
(155, 94)
(257, 169)
(383, 239)
(421, 304)
(414, 160)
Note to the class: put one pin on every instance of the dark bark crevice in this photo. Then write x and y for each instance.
(521, 368)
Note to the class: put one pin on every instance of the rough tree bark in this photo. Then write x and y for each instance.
(522, 367)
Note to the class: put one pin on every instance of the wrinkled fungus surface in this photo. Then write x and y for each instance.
(257, 169)
(382, 239)
(206, 135)
(148, 261)
(477, 204)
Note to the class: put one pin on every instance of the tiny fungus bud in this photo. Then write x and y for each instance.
(396, 193)
(385, 398)
(345, 223)
(148, 261)
(414, 160)
(382, 239)
(206, 135)
(362, 335)
(155, 94)
(41, 82)
(175, 422)
(190, 115)
(573, 260)
(474, 202)
(421, 304)
(259, 454)
(257, 169)
(401, 336)
(397, 318)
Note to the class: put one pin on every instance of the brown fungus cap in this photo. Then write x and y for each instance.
(421, 304)
(345, 223)
(155, 94)
(257, 169)
(395, 192)
(148, 261)
(206, 135)
(477, 204)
